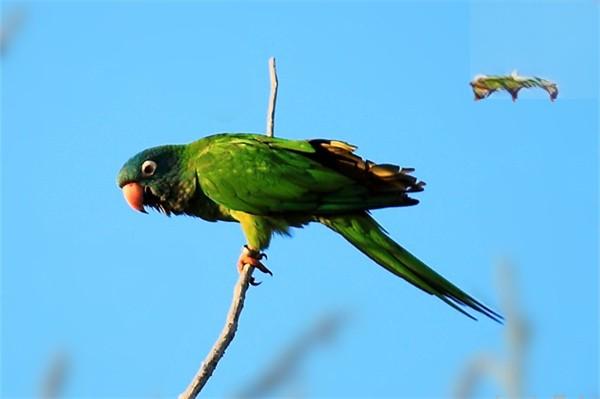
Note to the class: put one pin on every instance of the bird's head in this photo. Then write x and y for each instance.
(156, 178)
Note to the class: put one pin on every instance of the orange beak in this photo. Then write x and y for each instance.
(134, 195)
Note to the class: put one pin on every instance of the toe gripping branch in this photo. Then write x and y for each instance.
(252, 257)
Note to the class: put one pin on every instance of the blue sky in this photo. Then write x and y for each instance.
(137, 300)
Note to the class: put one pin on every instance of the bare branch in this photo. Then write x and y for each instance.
(272, 98)
(227, 334)
(239, 291)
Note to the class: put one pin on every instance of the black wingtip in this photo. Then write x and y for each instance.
(481, 308)
(475, 305)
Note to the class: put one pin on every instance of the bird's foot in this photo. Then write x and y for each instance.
(253, 258)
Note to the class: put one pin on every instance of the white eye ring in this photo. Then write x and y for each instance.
(148, 168)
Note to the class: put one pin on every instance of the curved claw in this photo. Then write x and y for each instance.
(254, 283)
(252, 257)
(263, 268)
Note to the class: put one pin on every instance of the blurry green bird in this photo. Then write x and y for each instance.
(269, 185)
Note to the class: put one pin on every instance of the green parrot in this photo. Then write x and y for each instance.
(484, 85)
(270, 185)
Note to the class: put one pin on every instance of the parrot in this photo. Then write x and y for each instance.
(270, 185)
(484, 85)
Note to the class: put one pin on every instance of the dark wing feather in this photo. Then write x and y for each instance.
(261, 175)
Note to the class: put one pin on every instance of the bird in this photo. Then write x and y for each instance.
(270, 185)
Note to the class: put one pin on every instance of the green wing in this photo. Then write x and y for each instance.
(262, 175)
(484, 85)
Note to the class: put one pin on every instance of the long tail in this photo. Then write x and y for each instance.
(369, 237)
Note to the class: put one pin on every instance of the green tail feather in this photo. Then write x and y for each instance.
(365, 234)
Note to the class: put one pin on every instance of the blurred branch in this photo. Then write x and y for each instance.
(55, 377)
(11, 22)
(285, 365)
(509, 373)
(476, 370)
(239, 291)
(517, 332)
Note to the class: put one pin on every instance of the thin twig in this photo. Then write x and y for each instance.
(272, 98)
(227, 334)
(239, 291)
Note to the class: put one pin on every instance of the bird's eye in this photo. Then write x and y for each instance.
(148, 168)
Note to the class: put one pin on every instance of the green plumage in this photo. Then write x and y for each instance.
(269, 185)
(484, 85)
